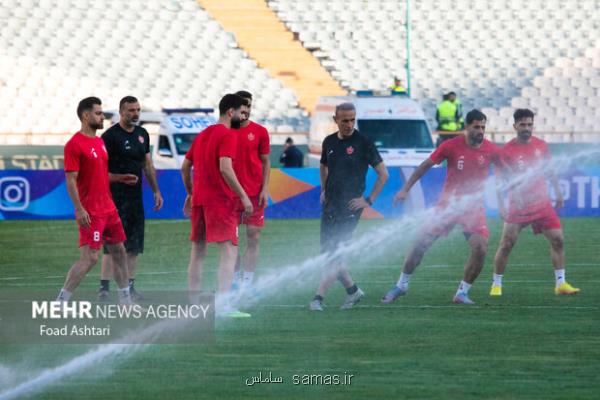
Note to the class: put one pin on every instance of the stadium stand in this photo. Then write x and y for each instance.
(496, 55)
(486, 51)
(565, 97)
(265, 38)
(167, 53)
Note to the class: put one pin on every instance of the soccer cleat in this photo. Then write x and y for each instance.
(135, 295)
(352, 299)
(228, 311)
(496, 290)
(103, 295)
(236, 314)
(393, 294)
(316, 305)
(565, 289)
(462, 298)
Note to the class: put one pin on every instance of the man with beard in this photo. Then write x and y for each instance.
(525, 162)
(252, 168)
(468, 163)
(211, 200)
(87, 177)
(128, 147)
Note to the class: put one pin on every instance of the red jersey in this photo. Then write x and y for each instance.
(467, 167)
(253, 141)
(89, 158)
(523, 166)
(212, 143)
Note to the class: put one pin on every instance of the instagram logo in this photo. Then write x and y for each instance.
(14, 193)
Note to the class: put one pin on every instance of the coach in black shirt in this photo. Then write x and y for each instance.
(128, 148)
(345, 159)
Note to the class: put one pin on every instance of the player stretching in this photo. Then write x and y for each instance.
(211, 200)
(524, 161)
(252, 168)
(86, 169)
(468, 163)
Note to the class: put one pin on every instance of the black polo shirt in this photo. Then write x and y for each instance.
(126, 155)
(347, 162)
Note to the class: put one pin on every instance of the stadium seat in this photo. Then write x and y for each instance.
(157, 65)
(528, 25)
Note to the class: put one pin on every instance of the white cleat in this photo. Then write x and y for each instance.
(352, 299)
(462, 298)
(316, 305)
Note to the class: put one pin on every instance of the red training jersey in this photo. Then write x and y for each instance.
(253, 141)
(88, 157)
(523, 167)
(467, 167)
(209, 146)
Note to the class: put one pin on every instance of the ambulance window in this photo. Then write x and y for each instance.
(401, 134)
(183, 141)
(164, 148)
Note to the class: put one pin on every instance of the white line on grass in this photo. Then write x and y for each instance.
(183, 271)
(450, 306)
(428, 281)
(14, 278)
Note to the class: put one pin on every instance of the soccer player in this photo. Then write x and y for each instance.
(345, 159)
(128, 147)
(468, 163)
(524, 166)
(252, 168)
(211, 199)
(87, 176)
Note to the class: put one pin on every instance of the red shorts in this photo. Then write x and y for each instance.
(214, 224)
(473, 222)
(103, 229)
(257, 218)
(540, 221)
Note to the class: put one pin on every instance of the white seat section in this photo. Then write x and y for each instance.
(501, 54)
(548, 38)
(140, 51)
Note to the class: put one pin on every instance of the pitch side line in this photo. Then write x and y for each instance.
(505, 281)
(183, 271)
(455, 306)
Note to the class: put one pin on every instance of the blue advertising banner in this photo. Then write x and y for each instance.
(294, 193)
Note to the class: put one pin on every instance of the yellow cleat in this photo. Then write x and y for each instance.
(496, 290)
(566, 289)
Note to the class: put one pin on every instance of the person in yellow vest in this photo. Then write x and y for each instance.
(397, 88)
(461, 122)
(448, 117)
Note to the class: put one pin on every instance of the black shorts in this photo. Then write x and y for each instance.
(131, 212)
(337, 226)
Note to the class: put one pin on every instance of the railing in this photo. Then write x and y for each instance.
(301, 137)
(548, 136)
(34, 139)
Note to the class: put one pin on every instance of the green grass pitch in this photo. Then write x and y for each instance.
(528, 344)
